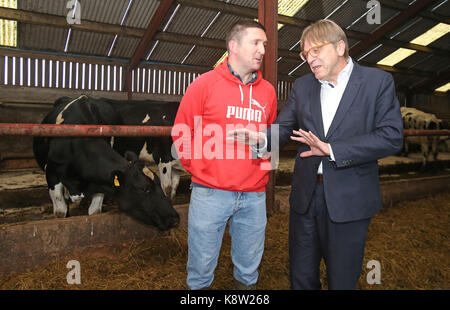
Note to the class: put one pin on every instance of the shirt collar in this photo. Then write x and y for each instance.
(343, 76)
(254, 76)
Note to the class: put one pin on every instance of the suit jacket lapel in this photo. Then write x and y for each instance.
(347, 99)
(316, 111)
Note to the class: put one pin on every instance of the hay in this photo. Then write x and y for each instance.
(410, 240)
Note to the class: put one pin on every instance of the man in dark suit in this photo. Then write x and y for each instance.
(346, 117)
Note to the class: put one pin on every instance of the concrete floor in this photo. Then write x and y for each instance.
(32, 178)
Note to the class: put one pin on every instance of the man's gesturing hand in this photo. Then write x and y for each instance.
(318, 148)
(246, 136)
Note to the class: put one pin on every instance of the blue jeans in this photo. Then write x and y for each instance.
(209, 211)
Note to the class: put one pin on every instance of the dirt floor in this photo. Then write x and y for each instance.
(409, 240)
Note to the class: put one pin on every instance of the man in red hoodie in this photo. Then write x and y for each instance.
(228, 183)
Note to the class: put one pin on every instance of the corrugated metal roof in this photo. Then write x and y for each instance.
(352, 42)
(246, 3)
(442, 43)
(43, 38)
(192, 21)
(55, 7)
(405, 1)
(443, 8)
(362, 25)
(203, 56)
(103, 11)
(124, 47)
(220, 28)
(403, 80)
(318, 9)
(286, 65)
(348, 13)
(140, 13)
(288, 36)
(378, 54)
(414, 28)
(411, 61)
(169, 52)
(434, 64)
(90, 43)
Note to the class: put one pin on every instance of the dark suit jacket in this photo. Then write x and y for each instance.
(367, 126)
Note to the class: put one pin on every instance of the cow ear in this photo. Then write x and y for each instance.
(117, 178)
(131, 156)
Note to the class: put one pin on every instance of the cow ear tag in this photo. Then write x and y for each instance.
(116, 181)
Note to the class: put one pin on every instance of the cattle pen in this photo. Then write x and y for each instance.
(152, 50)
(33, 243)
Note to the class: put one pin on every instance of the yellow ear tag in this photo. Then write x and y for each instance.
(116, 181)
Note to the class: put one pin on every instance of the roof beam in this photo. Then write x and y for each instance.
(390, 26)
(150, 32)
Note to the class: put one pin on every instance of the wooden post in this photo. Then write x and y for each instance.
(268, 17)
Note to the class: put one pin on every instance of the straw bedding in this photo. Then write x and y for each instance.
(410, 240)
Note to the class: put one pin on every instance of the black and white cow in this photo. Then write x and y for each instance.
(149, 149)
(157, 149)
(416, 120)
(78, 167)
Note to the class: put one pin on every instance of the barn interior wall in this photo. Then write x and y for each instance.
(15, 149)
(29, 105)
(432, 103)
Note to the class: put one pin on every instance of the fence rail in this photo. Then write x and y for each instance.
(18, 129)
(52, 130)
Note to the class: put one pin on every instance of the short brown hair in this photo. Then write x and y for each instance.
(236, 30)
(324, 30)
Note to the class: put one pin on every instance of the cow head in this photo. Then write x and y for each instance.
(169, 169)
(138, 193)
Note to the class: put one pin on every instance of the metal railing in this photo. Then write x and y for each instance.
(52, 130)
(19, 129)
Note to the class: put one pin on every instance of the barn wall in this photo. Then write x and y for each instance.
(20, 104)
(17, 148)
(432, 103)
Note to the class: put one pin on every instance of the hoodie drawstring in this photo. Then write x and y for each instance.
(250, 102)
(242, 97)
(242, 94)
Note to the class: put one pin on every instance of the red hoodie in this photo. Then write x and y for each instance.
(219, 101)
